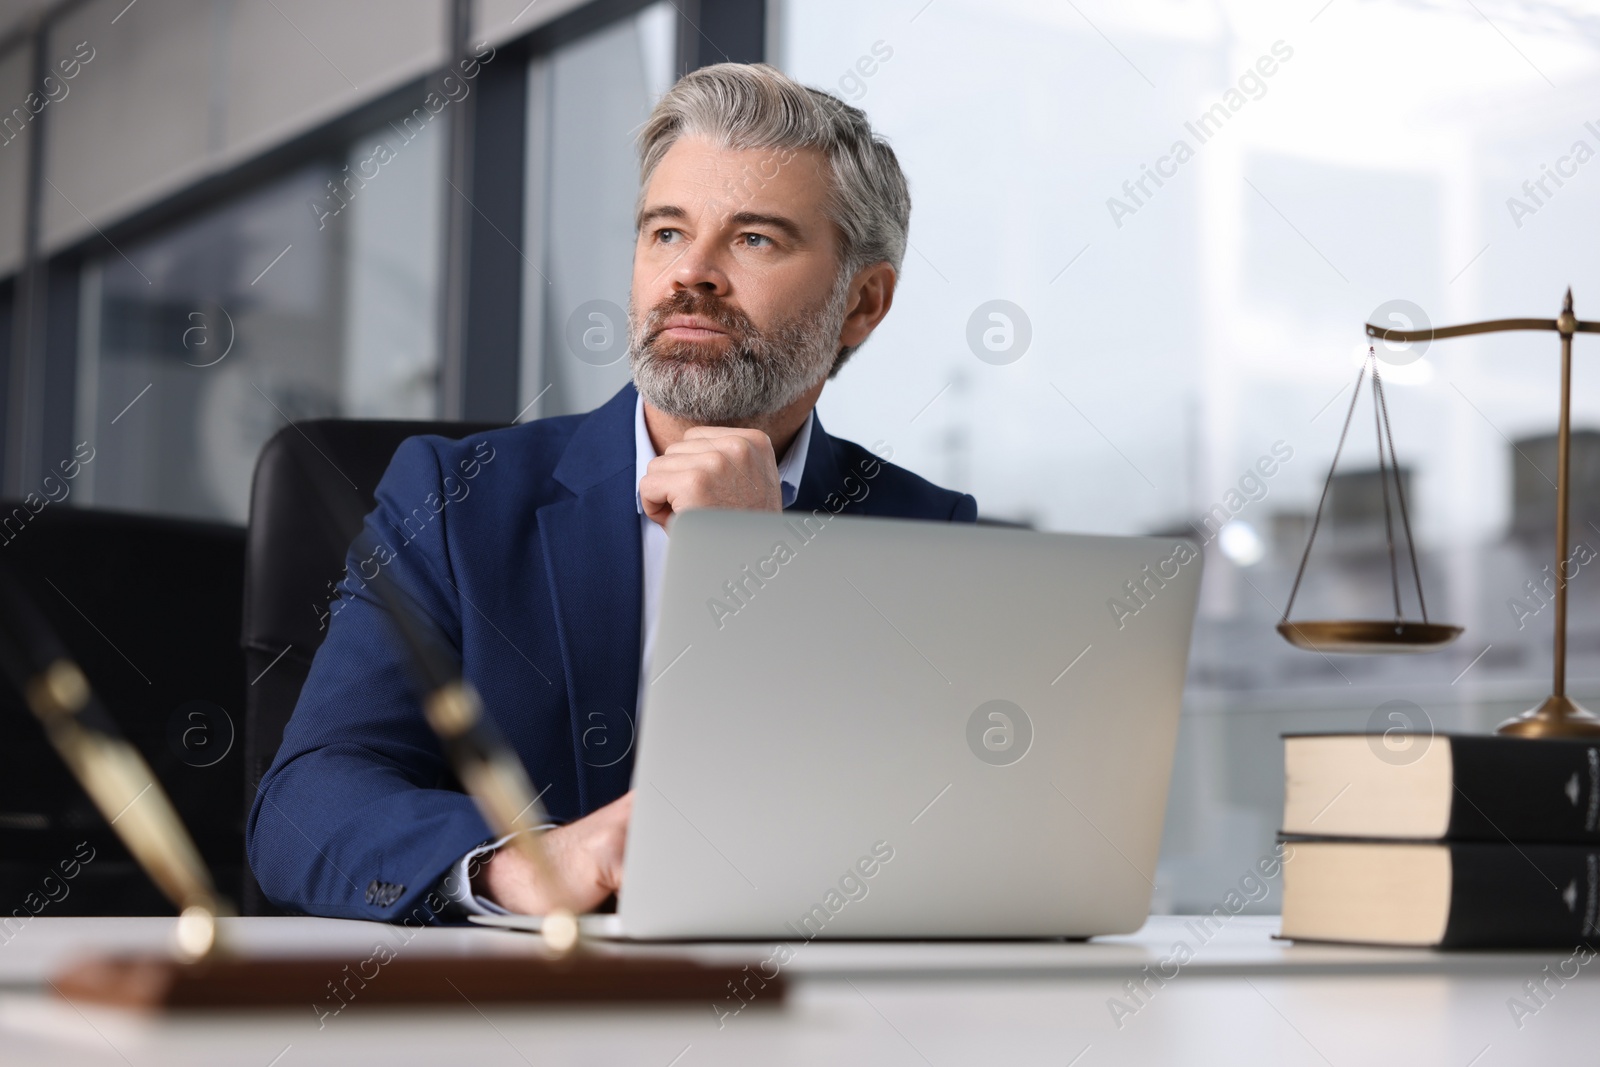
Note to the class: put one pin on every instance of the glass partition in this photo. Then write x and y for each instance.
(313, 296)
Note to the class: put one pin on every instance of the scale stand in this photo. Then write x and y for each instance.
(1558, 715)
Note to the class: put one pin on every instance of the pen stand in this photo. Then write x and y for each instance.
(154, 983)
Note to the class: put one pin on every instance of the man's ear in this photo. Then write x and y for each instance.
(871, 295)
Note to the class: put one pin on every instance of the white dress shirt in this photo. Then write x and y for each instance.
(457, 886)
(653, 539)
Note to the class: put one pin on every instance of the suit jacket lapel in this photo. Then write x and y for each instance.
(822, 476)
(592, 559)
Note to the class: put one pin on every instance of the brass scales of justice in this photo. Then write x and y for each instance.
(1558, 716)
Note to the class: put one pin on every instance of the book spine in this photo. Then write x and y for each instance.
(1527, 896)
(1510, 789)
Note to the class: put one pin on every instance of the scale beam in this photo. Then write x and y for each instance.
(1440, 333)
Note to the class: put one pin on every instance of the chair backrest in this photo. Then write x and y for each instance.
(295, 555)
(147, 606)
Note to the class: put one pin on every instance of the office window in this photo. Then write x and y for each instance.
(1176, 316)
(586, 102)
(312, 296)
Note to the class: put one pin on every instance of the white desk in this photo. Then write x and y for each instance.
(1242, 999)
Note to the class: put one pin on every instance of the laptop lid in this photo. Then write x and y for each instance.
(860, 727)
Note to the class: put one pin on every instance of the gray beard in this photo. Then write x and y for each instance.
(762, 372)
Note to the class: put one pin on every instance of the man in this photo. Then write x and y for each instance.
(771, 228)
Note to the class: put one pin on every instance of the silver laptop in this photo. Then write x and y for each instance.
(878, 728)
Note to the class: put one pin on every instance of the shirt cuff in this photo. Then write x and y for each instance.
(457, 885)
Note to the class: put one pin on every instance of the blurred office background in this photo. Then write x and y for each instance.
(188, 263)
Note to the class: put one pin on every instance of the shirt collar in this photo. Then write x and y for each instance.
(790, 467)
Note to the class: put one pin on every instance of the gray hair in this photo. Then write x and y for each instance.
(752, 105)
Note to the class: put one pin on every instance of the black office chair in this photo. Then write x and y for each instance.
(147, 606)
(295, 555)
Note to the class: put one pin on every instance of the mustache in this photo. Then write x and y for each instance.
(688, 302)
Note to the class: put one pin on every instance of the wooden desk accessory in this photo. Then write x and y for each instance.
(1558, 715)
(224, 981)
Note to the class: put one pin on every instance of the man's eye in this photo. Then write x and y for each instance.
(666, 235)
(757, 240)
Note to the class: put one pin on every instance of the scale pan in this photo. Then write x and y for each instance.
(1367, 636)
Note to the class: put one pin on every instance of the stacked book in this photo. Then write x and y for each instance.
(1459, 842)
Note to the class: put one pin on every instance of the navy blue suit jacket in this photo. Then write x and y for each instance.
(523, 546)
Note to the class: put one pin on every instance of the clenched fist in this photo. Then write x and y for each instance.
(712, 467)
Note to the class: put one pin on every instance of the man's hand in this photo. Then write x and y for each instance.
(713, 467)
(586, 856)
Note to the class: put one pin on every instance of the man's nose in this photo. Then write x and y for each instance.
(700, 268)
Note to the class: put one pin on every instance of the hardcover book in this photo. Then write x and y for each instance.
(1452, 787)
